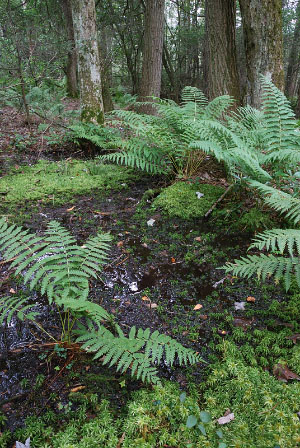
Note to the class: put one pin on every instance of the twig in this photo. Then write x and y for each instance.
(217, 202)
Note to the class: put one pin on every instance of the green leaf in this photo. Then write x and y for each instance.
(191, 421)
(182, 397)
(205, 417)
(222, 445)
(202, 429)
(219, 433)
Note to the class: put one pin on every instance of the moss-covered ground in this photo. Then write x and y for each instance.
(162, 274)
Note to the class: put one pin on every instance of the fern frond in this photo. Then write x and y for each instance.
(279, 119)
(138, 351)
(278, 240)
(265, 266)
(279, 200)
(11, 305)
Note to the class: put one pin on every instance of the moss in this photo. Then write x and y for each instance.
(181, 199)
(58, 182)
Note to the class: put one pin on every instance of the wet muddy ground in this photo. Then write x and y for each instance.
(156, 276)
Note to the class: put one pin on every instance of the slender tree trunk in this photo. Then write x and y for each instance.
(293, 62)
(152, 53)
(105, 60)
(71, 67)
(84, 21)
(297, 111)
(167, 63)
(220, 52)
(262, 25)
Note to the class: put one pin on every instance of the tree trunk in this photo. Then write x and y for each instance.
(297, 110)
(84, 21)
(105, 72)
(152, 53)
(262, 25)
(220, 52)
(71, 67)
(293, 62)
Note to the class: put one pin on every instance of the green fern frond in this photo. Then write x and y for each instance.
(265, 266)
(139, 351)
(278, 240)
(54, 263)
(217, 107)
(279, 200)
(11, 305)
(279, 119)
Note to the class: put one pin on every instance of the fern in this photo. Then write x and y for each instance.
(125, 352)
(11, 305)
(279, 200)
(61, 269)
(265, 266)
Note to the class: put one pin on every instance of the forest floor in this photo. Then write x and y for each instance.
(162, 274)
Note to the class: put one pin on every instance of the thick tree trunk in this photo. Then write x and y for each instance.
(220, 49)
(84, 21)
(152, 53)
(294, 60)
(262, 24)
(71, 67)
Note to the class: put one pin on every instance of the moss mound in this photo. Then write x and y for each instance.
(59, 182)
(182, 199)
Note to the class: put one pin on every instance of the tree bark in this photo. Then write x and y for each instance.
(71, 67)
(220, 49)
(262, 25)
(294, 60)
(152, 53)
(84, 21)
(297, 110)
(106, 62)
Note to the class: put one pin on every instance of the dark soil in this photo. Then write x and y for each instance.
(156, 276)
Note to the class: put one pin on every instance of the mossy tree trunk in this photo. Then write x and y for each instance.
(152, 53)
(262, 25)
(89, 69)
(220, 63)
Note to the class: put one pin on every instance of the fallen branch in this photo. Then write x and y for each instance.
(217, 201)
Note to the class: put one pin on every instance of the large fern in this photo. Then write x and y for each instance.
(61, 269)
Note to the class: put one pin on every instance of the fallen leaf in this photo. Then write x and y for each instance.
(251, 299)
(198, 238)
(120, 243)
(145, 298)
(239, 306)
(203, 316)
(283, 373)
(243, 323)
(198, 307)
(173, 260)
(151, 305)
(78, 388)
(295, 337)
(227, 417)
(12, 291)
(150, 222)
(70, 209)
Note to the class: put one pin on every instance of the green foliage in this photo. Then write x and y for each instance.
(181, 199)
(61, 270)
(282, 146)
(101, 136)
(57, 183)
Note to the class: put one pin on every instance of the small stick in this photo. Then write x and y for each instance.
(218, 200)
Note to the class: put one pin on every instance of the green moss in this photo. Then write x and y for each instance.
(180, 199)
(59, 182)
